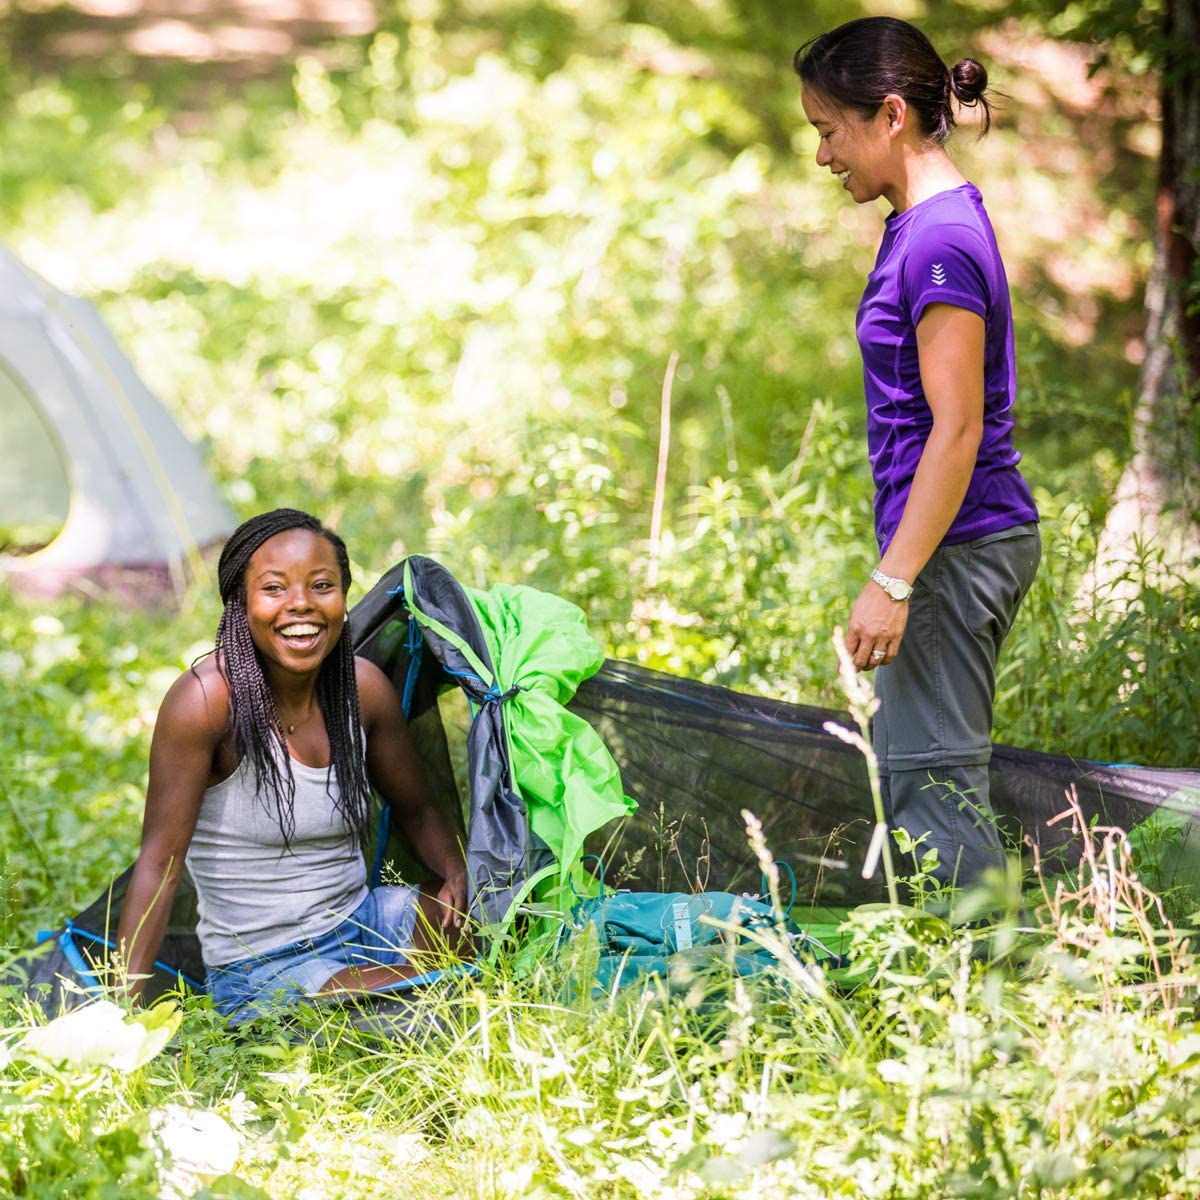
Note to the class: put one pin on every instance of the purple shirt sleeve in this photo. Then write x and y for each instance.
(944, 264)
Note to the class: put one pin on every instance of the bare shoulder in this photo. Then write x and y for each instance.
(186, 754)
(376, 696)
(197, 703)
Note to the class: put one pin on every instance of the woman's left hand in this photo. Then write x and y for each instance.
(876, 626)
(453, 898)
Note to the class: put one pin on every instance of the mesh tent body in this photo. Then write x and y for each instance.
(695, 756)
(90, 449)
(691, 755)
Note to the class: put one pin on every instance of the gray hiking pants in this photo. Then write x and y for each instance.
(933, 731)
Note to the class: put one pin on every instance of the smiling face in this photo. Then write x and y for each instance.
(858, 150)
(295, 605)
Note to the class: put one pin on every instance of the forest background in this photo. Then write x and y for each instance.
(420, 267)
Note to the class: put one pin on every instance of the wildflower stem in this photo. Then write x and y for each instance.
(863, 704)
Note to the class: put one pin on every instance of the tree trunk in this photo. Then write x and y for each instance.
(1157, 505)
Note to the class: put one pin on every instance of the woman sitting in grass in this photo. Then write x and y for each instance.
(261, 769)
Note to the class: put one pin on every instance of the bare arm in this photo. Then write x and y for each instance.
(396, 773)
(950, 345)
(181, 758)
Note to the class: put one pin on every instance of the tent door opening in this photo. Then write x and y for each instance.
(35, 489)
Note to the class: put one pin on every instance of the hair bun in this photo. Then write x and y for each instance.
(968, 81)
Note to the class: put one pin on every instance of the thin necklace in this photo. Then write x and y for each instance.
(292, 728)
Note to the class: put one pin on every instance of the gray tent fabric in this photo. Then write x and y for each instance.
(501, 850)
(138, 495)
(695, 756)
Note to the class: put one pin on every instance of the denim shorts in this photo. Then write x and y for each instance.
(378, 933)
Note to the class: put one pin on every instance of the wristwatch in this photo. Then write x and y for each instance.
(898, 589)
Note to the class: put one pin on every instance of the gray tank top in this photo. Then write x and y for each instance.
(254, 894)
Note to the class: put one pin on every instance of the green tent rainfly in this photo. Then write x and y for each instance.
(541, 647)
(541, 651)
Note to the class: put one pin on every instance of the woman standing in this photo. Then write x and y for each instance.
(261, 770)
(955, 521)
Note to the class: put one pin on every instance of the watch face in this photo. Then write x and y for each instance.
(898, 589)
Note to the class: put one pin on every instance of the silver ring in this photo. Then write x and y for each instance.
(879, 654)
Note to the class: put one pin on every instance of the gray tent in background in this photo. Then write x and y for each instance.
(89, 453)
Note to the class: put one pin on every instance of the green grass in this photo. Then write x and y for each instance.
(943, 1064)
(947, 1065)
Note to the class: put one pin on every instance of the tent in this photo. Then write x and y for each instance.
(91, 454)
(695, 756)
(549, 720)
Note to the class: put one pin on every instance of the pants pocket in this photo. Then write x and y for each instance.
(229, 986)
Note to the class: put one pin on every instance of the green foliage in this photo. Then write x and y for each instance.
(484, 229)
(430, 291)
(1131, 31)
(428, 285)
(1110, 676)
(76, 711)
(944, 1067)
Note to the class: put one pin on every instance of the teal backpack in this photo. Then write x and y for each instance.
(677, 935)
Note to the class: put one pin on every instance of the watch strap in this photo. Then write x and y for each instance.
(892, 584)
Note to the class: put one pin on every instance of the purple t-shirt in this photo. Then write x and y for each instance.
(941, 250)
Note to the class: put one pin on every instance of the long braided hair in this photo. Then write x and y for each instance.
(254, 721)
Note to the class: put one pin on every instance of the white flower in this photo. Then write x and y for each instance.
(476, 1123)
(515, 1181)
(200, 1144)
(99, 1035)
(724, 1129)
(241, 1111)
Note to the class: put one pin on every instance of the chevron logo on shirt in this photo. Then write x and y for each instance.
(938, 274)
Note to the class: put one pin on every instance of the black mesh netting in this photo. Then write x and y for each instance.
(695, 756)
